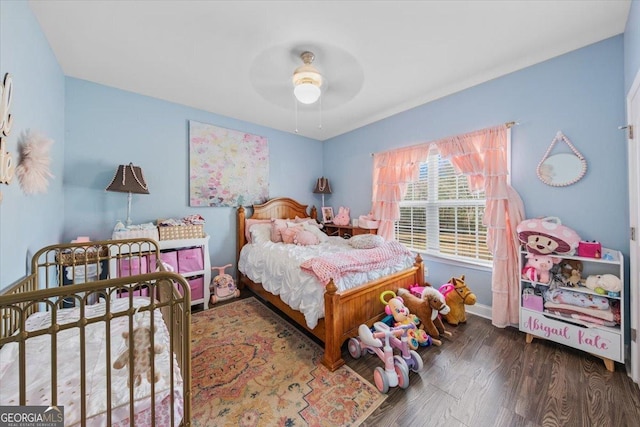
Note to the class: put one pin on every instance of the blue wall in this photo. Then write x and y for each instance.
(580, 93)
(632, 45)
(107, 127)
(30, 222)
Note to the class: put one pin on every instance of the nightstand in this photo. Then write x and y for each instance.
(347, 231)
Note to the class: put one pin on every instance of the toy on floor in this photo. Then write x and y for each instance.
(223, 286)
(457, 295)
(402, 316)
(396, 367)
(396, 308)
(428, 304)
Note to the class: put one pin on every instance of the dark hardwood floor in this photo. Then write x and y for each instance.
(485, 376)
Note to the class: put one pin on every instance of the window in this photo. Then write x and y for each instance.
(440, 216)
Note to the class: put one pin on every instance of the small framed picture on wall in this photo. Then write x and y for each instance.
(327, 215)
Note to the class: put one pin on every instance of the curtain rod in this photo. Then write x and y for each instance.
(508, 125)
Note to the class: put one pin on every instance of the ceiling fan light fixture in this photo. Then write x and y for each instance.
(307, 80)
(307, 93)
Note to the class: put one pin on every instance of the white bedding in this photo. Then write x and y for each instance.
(38, 369)
(277, 267)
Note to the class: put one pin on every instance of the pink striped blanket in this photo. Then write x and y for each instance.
(334, 266)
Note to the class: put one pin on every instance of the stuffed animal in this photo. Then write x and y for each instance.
(141, 357)
(538, 267)
(402, 316)
(571, 271)
(604, 283)
(457, 295)
(427, 307)
(396, 308)
(343, 216)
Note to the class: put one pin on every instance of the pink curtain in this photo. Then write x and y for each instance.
(392, 172)
(480, 155)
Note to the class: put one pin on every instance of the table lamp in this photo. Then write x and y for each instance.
(322, 187)
(128, 179)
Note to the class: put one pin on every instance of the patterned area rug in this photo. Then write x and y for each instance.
(252, 368)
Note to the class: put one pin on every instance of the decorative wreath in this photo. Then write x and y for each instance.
(33, 168)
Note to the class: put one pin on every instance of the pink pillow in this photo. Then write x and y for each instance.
(247, 226)
(305, 238)
(289, 234)
(277, 226)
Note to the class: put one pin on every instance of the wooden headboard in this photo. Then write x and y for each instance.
(281, 207)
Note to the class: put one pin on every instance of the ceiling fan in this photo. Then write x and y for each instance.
(275, 71)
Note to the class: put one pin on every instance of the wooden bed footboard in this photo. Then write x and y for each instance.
(345, 311)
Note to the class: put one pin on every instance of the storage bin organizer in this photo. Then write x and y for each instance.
(181, 231)
(190, 260)
(132, 266)
(197, 288)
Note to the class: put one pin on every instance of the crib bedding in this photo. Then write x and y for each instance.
(38, 367)
(277, 266)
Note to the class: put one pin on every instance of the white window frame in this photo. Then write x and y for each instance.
(432, 207)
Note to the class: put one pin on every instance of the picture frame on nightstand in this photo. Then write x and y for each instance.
(327, 215)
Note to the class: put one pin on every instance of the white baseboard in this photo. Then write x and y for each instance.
(479, 310)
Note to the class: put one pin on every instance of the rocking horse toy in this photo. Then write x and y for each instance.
(457, 295)
(224, 287)
(428, 304)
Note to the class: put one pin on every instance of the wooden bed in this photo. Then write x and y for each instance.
(38, 308)
(344, 311)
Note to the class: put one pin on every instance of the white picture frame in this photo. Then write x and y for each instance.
(327, 215)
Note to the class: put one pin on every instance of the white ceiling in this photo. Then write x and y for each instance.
(236, 58)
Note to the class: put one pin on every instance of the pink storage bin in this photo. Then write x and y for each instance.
(532, 302)
(170, 258)
(132, 266)
(197, 288)
(190, 260)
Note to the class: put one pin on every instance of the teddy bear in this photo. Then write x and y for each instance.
(141, 357)
(343, 216)
(427, 307)
(538, 267)
(603, 283)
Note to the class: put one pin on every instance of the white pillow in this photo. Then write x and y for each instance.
(260, 233)
(366, 241)
(309, 226)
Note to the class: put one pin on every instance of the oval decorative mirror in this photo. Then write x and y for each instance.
(560, 170)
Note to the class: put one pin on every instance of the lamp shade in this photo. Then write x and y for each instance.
(322, 186)
(128, 179)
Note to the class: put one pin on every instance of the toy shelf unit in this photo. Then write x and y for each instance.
(599, 331)
(187, 257)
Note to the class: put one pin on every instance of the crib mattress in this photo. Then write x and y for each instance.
(38, 368)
